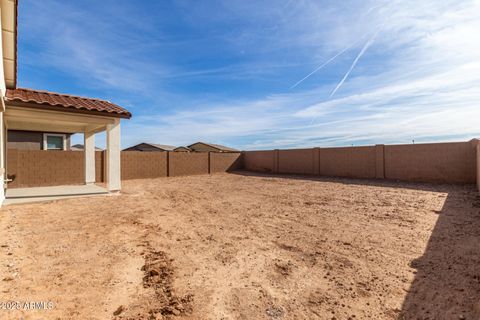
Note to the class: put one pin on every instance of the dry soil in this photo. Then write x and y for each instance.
(239, 246)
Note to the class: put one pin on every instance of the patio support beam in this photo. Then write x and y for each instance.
(113, 156)
(89, 151)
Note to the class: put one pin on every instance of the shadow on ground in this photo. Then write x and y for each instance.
(447, 282)
(352, 181)
(447, 279)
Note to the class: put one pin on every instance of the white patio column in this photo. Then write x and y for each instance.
(113, 156)
(89, 150)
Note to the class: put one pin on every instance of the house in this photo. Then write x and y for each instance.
(80, 147)
(182, 149)
(206, 147)
(41, 119)
(150, 147)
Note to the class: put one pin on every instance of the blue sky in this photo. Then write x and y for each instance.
(264, 74)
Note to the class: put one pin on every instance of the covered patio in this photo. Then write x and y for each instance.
(37, 194)
(46, 112)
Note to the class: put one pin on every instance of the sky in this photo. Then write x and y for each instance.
(263, 74)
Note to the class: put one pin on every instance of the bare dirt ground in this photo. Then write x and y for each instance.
(236, 246)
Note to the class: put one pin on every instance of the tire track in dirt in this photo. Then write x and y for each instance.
(159, 301)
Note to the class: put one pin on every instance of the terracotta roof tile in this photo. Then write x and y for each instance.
(66, 101)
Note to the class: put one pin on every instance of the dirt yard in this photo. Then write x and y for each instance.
(238, 246)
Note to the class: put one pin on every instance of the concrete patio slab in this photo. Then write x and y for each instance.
(27, 195)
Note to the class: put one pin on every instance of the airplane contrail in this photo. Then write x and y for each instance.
(323, 65)
(360, 54)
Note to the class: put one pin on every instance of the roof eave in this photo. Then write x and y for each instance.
(16, 45)
(46, 106)
(10, 40)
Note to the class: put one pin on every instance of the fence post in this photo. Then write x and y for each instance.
(168, 163)
(316, 161)
(276, 161)
(241, 162)
(380, 161)
(478, 165)
(104, 165)
(209, 163)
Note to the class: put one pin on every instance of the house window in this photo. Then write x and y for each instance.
(53, 141)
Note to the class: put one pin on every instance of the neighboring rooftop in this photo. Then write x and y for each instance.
(219, 147)
(182, 148)
(163, 146)
(145, 146)
(80, 147)
(195, 147)
(48, 99)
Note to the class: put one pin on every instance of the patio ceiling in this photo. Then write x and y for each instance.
(19, 118)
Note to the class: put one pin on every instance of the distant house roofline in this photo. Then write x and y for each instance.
(182, 147)
(155, 145)
(80, 147)
(215, 146)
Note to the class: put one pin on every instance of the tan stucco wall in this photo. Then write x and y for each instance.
(454, 162)
(36, 168)
(225, 162)
(29, 168)
(298, 161)
(185, 164)
(260, 161)
(436, 162)
(32, 168)
(142, 165)
(355, 162)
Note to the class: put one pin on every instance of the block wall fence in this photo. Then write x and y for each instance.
(456, 162)
(36, 168)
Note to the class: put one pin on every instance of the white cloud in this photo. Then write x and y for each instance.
(418, 80)
(428, 89)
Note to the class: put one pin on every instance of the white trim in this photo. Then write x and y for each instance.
(63, 135)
